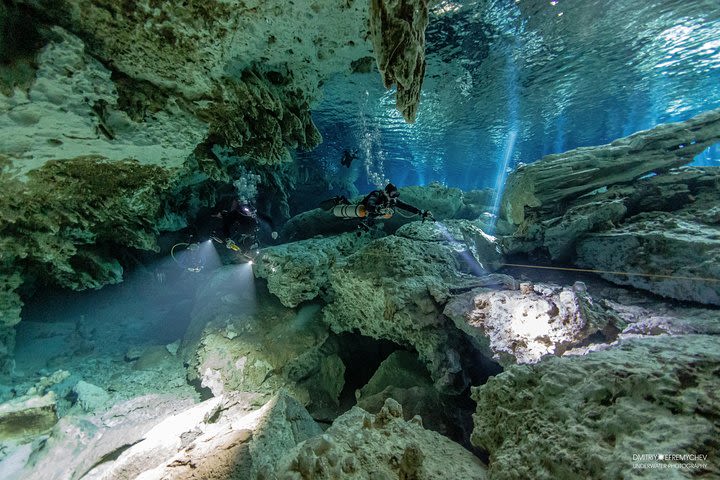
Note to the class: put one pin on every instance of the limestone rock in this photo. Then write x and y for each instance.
(90, 397)
(363, 446)
(404, 378)
(23, 418)
(548, 184)
(223, 437)
(78, 444)
(566, 417)
(296, 272)
(236, 344)
(391, 287)
(398, 34)
(676, 257)
(522, 325)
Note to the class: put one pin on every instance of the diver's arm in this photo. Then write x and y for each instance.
(407, 207)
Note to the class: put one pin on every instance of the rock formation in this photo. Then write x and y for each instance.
(522, 325)
(398, 34)
(585, 417)
(545, 187)
(234, 345)
(361, 446)
(605, 208)
(173, 101)
(391, 287)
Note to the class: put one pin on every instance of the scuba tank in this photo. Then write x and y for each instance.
(358, 211)
(350, 211)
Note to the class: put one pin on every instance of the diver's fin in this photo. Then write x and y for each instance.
(327, 204)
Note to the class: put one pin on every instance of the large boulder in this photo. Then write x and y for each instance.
(521, 325)
(224, 437)
(78, 444)
(593, 416)
(363, 446)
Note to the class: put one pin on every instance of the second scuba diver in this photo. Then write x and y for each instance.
(375, 205)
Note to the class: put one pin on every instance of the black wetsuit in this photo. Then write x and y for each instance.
(243, 222)
(377, 200)
(347, 158)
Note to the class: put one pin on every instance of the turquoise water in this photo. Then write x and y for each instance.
(499, 70)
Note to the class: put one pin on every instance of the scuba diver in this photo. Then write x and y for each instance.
(241, 226)
(348, 157)
(376, 204)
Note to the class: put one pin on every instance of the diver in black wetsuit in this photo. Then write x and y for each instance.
(376, 204)
(348, 157)
(241, 226)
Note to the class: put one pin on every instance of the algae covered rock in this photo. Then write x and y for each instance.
(297, 272)
(591, 416)
(388, 288)
(363, 446)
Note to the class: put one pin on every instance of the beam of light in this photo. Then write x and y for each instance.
(195, 257)
(242, 285)
(511, 77)
(462, 248)
(503, 171)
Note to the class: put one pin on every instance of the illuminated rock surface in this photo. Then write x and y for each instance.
(522, 325)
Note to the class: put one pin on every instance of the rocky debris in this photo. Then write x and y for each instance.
(676, 257)
(224, 437)
(26, 417)
(390, 288)
(546, 186)
(361, 446)
(445, 204)
(234, 345)
(397, 29)
(90, 397)
(646, 396)
(523, 325)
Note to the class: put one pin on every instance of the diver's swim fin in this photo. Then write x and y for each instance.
(330, 203)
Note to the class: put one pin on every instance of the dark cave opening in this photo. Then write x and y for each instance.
(362, 356)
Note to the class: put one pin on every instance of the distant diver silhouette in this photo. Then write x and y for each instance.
(348, 157)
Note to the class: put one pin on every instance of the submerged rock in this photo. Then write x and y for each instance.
(546, 186)
(224, 437)
(676, 257)
(587, 416)
(237, 342)
(362, 446)
(523, 325)
(26, 417)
